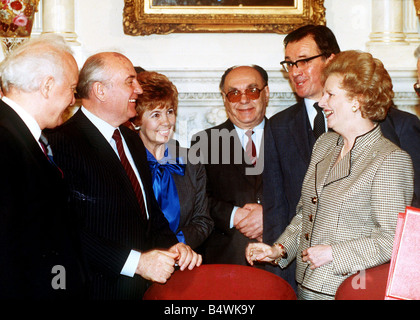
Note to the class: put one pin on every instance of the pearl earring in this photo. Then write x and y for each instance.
(354, 108)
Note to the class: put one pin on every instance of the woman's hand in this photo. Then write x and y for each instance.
(317, 256)
(262, 252)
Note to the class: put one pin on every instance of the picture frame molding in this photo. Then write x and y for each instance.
(141, 18)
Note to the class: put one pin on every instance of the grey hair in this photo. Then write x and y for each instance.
(260, 70)
(96, 69)
(26, 66)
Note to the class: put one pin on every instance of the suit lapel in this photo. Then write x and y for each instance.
(242, 165)
(300, 132)
(101, 149)
(327, 173)
(24, 136)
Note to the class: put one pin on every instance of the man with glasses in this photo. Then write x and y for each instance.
(291, 134)
(232, 154)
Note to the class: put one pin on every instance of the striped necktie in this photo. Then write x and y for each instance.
(48, 151)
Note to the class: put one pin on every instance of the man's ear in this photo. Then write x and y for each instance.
(99, 90)
(223, 96)
(46, 86)
(329, 58)
(267, 93)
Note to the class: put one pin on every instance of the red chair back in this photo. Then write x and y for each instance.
(370, 284)
(222, 282)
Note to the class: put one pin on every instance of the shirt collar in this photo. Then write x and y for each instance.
(309, 104)
(27, 118)
(104, 127)
(257, 128)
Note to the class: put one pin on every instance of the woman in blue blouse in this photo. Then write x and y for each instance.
(179, 186)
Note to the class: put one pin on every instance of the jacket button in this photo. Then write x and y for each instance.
(307, 236)
(314, 200)
(311, 218)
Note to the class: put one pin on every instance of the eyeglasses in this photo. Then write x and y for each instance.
(301, 63)
(417, 88)
(251, 93)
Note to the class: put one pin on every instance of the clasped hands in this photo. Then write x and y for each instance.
(248, 220)
(315, 256)
(158, 265)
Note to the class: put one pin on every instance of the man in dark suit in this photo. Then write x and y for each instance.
(39, 248)
(121, 223)
(290, 134)
(234, 175)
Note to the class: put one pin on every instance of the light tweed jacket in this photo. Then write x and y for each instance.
(352, 206)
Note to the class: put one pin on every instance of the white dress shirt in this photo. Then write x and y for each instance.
(28, 119)
(257, 138)
(311, 111)
(107, 131)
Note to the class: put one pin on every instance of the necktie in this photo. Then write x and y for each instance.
(48, 151)
(250, 147)
(130, 173)
(319, 122)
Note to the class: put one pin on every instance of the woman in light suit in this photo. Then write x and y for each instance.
(355, 186)
(179, 185)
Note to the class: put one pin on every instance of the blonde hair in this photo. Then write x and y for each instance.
(364, 78)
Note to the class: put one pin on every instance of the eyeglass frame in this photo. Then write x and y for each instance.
(295, 63)
(245, 93)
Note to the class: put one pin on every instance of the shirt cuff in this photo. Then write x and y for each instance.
(232, 217)
(130, 266)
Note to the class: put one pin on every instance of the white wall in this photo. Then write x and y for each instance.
(99, 27)
(195, 62)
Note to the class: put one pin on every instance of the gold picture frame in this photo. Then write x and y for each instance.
(141, 17)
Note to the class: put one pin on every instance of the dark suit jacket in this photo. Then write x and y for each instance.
(228, 186)
(36, 233)
(195, 221)
(403, 128)
(104, 201)
(288, 147)
(287, 152)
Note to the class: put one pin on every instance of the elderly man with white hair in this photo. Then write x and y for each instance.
(38, 246)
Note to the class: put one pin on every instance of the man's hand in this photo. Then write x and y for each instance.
(156, 265)
(250, 221)
(186, 257)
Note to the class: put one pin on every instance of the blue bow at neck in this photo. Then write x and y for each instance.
(164, 187)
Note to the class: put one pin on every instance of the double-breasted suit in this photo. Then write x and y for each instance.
(352, 206)
(106, 206)
(229, 184)
(37, 235)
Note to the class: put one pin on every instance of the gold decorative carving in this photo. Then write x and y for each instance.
(417, 5)
(141, 18)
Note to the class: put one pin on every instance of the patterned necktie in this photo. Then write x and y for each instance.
(130, 173)
(48, 151)
(250, 147)
(319, 122)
